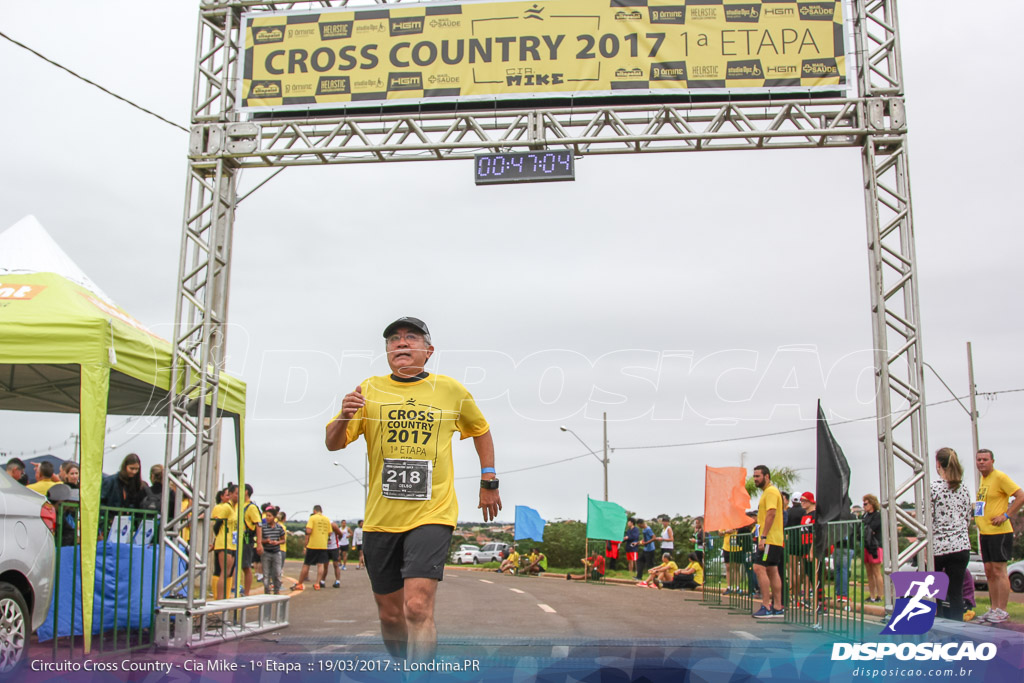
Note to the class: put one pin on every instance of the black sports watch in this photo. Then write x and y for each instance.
(489, 484)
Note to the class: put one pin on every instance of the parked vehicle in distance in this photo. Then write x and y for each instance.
(1016, 572)
(27, 523)
(466, 554)
(977, 571)
(492, 552)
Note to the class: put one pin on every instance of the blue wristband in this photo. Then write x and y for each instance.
(485, 470)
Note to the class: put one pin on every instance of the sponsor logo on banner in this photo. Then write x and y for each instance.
(406, 26)
(704, 72)
(265, 89)
(779, 11)
(632, 15)
(746, 69)
(819, 68)
(703, 13)
(744, 13)
(335, 30)
(675, 14)
(302, 32)
(790, 70)
(10, 291)
(292, 89)
(374, 84)
(629, 73)
(375, 27)
(668, 71)
(817, 11)
(917, 599)
(444, 79)
(445, 22)
(334, 85)
(268, 34)
(405, 81)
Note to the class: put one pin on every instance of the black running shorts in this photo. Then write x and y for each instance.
(419, 553)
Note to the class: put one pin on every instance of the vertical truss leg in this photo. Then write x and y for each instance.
(192, 452)
(899, 372)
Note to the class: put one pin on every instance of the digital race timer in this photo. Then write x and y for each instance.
(523, 167)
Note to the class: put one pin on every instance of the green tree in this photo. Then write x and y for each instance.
(784, 479)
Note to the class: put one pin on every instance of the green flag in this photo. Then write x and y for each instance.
(605, 521)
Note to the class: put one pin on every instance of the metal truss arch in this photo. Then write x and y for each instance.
(222, 143)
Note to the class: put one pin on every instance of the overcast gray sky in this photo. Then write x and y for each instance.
(694, 297)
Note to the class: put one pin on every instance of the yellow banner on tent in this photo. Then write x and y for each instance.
(447, 52)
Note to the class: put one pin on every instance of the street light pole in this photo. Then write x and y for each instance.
(974, 415)
(603, 461)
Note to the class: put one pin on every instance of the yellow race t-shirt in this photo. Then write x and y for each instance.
(994, 493)
(698, 571)
(671, 568)
(318, 527)
(45, 485)
(771, 499)
(406, 423)
(227, 537)
(252, 518)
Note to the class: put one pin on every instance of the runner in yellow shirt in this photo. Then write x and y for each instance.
(318, 528)
(408, 419)
(225, 540)
(992, 512)
(770, 540)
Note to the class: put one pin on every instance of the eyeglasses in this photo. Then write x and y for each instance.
(411, 337)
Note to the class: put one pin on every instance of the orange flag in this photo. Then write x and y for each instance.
(725, 498)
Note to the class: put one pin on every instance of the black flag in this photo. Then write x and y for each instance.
(832, 484)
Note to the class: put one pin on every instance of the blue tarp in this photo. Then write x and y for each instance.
(123, 593)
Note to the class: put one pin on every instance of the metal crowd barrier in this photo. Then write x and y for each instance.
(711, 591)
(825, 592)
(124, 597)
(740, 581)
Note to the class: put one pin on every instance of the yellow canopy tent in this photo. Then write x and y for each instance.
(66, 347)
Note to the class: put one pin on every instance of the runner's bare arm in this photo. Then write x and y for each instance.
(490, 499)
(350, 405)
(1018, 500)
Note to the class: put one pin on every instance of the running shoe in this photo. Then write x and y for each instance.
(298, 587)
(984, 617)
(322, 584)
(778, 613)
(316, 586)
(337, 584)
(345, 568)
(998, 616)
(642, 584)
(763, 613)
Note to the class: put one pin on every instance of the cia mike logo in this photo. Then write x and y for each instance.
(914, 612)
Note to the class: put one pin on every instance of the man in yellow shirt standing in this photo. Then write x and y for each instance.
(318, 528)
(44, 478)
(992, 512)
(768, 558)
(225, 540)
(408, 419)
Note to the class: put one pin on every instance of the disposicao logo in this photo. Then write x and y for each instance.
(914, 614)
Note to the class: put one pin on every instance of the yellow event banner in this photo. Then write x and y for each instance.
(450, 52)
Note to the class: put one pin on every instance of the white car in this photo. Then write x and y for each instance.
(27, 522)
(491, 552)
(466, 554)
(977, 571)
(1016, 572)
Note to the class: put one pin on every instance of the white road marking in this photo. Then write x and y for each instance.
(546, 608)
(745, 635)
(485, 581)
(516, 590)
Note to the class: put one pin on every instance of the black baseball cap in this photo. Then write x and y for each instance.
(406, 321)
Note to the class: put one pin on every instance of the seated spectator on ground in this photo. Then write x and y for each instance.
(16, 469)
(593, 568)
(44, 478)
(663, 572)
(536, 562)
(510, 564)
(690, 577)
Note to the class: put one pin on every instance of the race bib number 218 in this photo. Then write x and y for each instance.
(404, 479)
